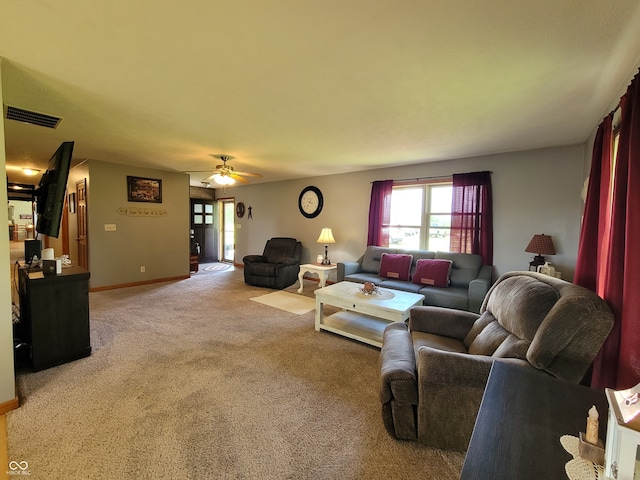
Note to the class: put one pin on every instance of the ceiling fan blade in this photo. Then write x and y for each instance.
(247, 174)
(238, 178)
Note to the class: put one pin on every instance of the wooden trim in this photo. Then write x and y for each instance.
(8, 406)
(135, 284)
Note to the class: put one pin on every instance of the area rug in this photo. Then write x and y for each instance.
(216, 267)
(289, 302)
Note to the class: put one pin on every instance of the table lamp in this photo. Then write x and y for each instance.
(540, 245)
(326, 237)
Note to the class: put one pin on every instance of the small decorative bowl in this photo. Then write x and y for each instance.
(369, 289)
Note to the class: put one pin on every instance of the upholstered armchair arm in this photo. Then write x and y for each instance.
(479, 287)
(450, 389)
(347, 268)
(286, 261)
(398, 382)
(441, 321)
(253, 259)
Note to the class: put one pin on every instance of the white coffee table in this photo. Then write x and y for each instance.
(363, 317)
(321, 270)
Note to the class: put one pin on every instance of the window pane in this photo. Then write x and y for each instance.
(440, 221)
(438, 240)
(441, 198)
(405, 237)
(197, 208)
(197, 219)
(406, 206)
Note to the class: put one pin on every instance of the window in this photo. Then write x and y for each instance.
(421, 216)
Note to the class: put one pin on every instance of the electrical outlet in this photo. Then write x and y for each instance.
(142, 269)
(109, 227)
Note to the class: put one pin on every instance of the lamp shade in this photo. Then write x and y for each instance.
(541, 245)
(326, 236)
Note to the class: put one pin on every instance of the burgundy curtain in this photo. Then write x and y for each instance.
(595, 226)
(472, 215)
(380, 213)
(616, 261)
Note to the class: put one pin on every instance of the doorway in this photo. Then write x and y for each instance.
(204, 230)
(228, 240)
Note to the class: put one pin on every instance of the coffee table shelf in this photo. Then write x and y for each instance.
(363, 317)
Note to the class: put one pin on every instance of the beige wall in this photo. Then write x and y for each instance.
(160, 243)
(535, 191)
(7, 380)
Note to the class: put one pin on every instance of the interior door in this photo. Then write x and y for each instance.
(204, 229)
(81, 218)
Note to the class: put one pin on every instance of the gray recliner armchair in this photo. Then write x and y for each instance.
(277, 267)
(434, 370)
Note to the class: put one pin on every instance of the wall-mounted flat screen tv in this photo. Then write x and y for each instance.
(51, 192)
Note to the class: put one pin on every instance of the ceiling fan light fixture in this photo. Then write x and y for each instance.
(223, 179)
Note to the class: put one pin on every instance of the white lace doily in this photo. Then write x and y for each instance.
(579, 468)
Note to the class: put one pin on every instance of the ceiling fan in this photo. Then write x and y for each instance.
(226, 175)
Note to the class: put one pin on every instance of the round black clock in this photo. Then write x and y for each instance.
(240, 210)
(310, 202)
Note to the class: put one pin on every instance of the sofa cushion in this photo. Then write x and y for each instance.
(512, 347)
(362, 277)
(432, 272)
(452, 297)
(372, 257)
(439, 342)
(485, 319)
(521, 303)
(489, 339)
(395, 265)
(466, 267)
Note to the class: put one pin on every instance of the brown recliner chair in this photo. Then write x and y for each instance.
(434, 370)
(277, 267)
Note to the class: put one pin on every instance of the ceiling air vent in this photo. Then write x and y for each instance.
(34, 118)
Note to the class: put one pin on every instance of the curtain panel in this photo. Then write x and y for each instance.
(608, 255)
(472, 215)
(380, 213)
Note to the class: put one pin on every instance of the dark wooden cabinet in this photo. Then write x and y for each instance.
(54, 316)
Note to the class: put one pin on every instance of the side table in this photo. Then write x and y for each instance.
(522, 416)
(321, 270)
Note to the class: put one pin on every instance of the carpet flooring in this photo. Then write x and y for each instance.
(191, 380)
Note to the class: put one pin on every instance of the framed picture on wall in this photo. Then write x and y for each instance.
(141, 189)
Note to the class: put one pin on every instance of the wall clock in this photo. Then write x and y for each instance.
(240, 210)
(310, 202)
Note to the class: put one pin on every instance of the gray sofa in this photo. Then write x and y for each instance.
(470, 280)
(433, 371)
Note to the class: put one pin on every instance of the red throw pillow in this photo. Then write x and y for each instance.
(432, 272)
(396, 265)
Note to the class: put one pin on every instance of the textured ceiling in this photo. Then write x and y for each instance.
(296, 88)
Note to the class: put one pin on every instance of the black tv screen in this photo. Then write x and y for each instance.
(51, 192)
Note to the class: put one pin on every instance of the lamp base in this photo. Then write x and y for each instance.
(325, 260)
(537, 261)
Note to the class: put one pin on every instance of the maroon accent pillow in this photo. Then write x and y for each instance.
(395, 265)
(436, 273)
